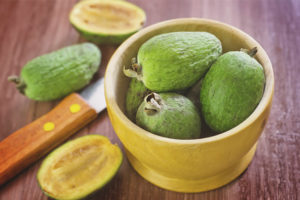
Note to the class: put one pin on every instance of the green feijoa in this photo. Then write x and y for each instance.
(170, 115)
(57, 74)
(231, 90)
(194, 92)
(134, 97)
(175, 61)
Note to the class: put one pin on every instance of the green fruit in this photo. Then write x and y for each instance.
(194, 92)
(79, 167)
(175, 61)
(231, 90)
(57, 74)
(170, 115)
(107, 21)
(134, 97)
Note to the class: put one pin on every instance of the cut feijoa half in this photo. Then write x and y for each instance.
(107, 21)
(79, 167)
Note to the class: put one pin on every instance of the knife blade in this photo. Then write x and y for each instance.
(94, 95)
(28, 144)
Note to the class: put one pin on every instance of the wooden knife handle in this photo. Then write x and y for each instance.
(33, 141)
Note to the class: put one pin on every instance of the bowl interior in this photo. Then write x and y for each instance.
(231, 38)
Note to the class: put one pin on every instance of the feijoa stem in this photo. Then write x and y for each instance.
(250, 52)
(153, 103)
(135, 70)
(20, 84)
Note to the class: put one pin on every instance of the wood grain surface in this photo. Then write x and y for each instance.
(29, 28)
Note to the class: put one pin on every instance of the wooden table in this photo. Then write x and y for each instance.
(34, 27)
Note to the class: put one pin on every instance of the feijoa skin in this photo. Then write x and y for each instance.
(169, 115)
(134, 97)
(231, 90)
(194, 92)
(57, 74)
(175, 61)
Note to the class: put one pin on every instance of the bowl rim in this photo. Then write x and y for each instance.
(260, 108)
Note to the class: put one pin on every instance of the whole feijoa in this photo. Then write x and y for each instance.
(57, 74)
(231, 90)
(194, 92)
(170, 115)
(175, 61)
(134, 97)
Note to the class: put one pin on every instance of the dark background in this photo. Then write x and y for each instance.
(29, 28)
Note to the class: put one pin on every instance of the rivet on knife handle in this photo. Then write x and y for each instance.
(49, 126)
(74, 108)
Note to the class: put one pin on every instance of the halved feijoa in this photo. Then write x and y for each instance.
(79, 167)
(107, 21)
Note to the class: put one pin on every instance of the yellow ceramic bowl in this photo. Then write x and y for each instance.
(187, 165)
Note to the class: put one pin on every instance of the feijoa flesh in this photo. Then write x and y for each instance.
(79, 167)
(107, 21)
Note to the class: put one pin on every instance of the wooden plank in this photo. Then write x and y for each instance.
(30, 28)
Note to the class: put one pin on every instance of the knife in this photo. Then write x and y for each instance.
(28, 144)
